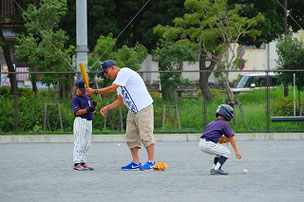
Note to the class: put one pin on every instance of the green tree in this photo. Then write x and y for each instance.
(12, 20)
(6, 47)
(291, 56)
(113, 15)
(131, 57)
(124, 56)
(273, 25)
(156, 12)
(212, 27)
(170, 57)
(37, 45)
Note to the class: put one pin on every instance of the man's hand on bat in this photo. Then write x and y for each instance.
(90, 91)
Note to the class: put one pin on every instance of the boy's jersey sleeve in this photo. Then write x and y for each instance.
(227, 131)
(75, 105)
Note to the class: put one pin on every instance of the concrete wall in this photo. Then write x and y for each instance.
(256, 59)
(150, 65)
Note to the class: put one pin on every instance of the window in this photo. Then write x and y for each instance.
(243, 82)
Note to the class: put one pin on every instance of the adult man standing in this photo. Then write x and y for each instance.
(133, 93)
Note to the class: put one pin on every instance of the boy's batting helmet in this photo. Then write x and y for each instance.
(225, 111)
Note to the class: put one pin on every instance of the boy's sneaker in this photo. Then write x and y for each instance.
(85, 167)
(212, 171)
(132, 166)
(219, 172)
(78, 167)
(148, 166)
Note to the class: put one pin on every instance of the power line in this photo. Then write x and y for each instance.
(42, 33)
(102, 53)
(120, 33)
(289, 14)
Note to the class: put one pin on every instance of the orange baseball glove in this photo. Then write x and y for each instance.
(223, 140)
(160, 166)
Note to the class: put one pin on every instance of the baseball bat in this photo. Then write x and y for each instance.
(85, 78)
(84, 74)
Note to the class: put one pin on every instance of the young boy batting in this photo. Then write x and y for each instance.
(83, 107)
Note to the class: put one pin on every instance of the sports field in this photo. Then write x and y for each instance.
(43, 172)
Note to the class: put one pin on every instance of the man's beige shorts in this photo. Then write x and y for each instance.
(140, 128)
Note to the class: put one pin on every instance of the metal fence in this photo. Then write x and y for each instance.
(259, 108)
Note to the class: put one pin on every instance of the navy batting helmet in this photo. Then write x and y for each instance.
(225, 111)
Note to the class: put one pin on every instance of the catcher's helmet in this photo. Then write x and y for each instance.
(225, 111)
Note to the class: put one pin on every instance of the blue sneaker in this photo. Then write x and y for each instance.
(131, 166)
(148, 166)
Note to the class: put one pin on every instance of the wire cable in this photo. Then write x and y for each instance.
(120, 33)
(42, 33)
(289, 14)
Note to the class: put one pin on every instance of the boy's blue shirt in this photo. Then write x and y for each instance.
(216, 129)
(81, 102)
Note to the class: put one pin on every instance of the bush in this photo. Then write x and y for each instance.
(28, 110)
(31, 112)
(283, 106)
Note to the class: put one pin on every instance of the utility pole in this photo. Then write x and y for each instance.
(285, 17)
(286, 92)
(81, 35)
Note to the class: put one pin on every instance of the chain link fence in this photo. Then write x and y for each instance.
(259, 99)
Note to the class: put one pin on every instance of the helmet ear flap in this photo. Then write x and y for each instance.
(217, 114)
(226, 111)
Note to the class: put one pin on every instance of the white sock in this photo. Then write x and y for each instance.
(217, 166)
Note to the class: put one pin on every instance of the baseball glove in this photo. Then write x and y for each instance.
(94, 103)
(160, 166)
(90, 109)
(223, 140)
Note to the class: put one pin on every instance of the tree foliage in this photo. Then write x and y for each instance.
(170, 57)
(112, 16)
(212, 27)
(131, 57)
(125, 56)
(36, 45)
(291, 57)
(273, 25)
